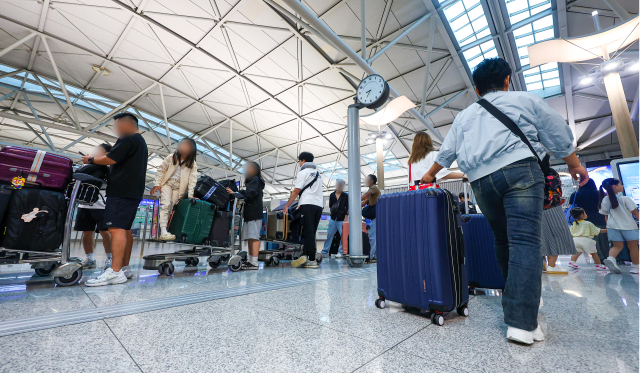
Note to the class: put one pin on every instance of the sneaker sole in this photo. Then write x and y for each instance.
(114, 282)
(518, 340)
(612, 266)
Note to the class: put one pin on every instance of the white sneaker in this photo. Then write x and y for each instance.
(601, 267)
(338, 255)
(538, 335)
(298, 262)
(634, 269)
(108, 263)
(167, 237)
(557, 270)
(128, 273)
(573, 265)
(611, 264)
(519, 335)
(108, 277)
(88, 263)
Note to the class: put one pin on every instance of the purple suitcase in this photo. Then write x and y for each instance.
(39, 168)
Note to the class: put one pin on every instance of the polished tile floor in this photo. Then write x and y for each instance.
(591, 320)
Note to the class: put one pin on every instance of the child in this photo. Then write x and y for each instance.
(583, 232)
(619, 212)
(176, 176)
(252, 212)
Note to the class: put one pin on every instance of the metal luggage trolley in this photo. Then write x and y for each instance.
(66, 271)
(273, 257)
(216, 256)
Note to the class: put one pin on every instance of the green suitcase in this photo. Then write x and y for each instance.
(191, 221)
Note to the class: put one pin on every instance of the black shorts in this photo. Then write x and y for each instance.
(120, 212)
(90, 220)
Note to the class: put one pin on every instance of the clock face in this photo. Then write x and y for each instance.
(371, 89)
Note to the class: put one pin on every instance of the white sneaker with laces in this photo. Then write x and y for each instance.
(108, 277)
(634, 269)
(167, 237)
(519, 335)
(338, 255)
(601, 267)
(611, 264)
(128, 273)
(538, 335)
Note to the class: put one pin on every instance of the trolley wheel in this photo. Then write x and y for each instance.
(183, 238)
(192, 262)
(235, 263)
(44, 272)
(437, 319)
(380, 303)
(463, 311)
(318, 258)
(214, 261)
(193, 201)
(274, 261)
(166, 269)
(70, 280)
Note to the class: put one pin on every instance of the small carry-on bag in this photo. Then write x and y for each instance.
(420, 251)
(220, 229)
(207, 189)
(34, 220)
(482, 265)
(191, 221)
(38, 168)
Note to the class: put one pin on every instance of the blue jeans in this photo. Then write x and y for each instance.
(511, 200)
(372, 238)
(331, 231)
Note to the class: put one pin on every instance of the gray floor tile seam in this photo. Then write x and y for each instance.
(395, 347)
(118, 310)
(316, 323)
(122, 345)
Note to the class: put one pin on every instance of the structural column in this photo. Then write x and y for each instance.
(621, 116)
(353, 173)
(380, 159)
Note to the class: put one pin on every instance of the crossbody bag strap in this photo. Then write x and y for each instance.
(310, 184)
(502, 117)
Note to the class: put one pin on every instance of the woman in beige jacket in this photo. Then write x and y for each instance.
(176, 176)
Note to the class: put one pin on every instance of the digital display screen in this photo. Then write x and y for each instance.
(598, 174)
(630, 175)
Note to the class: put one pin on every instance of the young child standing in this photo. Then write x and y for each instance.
(619, 212)
(583, 232)
(176, 176)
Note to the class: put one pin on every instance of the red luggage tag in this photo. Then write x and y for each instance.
(424, 186)
(18, 182)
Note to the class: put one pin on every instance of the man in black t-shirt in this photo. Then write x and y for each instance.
(128, 161)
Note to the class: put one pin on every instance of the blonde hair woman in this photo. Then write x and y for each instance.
(422, 158)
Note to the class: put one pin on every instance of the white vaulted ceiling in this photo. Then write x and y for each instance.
(247, 77)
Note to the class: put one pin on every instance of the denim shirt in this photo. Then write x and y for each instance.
(482, 144)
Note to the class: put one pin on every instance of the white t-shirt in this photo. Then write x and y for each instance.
(620, 217)
(99, 205)
(313, 194)
(421, 167)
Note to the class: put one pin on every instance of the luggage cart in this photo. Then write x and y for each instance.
(66, 271)
(233, 255)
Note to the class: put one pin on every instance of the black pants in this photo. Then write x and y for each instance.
(310, 216)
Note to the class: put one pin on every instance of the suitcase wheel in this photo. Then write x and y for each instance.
(193, 201)
(192, 262)
(463, 311)
(183, 238)
(166, 269)
(70, 280)
(437, 319)
(380, 303)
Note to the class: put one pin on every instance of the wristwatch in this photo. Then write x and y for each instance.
(90, 160)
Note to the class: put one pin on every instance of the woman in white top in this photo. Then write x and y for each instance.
(176, 176)
(619, 212)
(422, 158)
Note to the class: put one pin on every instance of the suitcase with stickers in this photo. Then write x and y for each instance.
(39, 168)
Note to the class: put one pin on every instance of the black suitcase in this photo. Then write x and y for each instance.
(26, 229)
(207, 189)
(220, 229)
(5, 197)
(366, 245)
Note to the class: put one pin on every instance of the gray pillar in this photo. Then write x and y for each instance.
(355, 211)
(380, 162)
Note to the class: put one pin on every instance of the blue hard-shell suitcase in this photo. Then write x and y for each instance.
(482, 265)
(421, 252)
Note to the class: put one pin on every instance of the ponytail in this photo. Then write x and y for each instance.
(607, 185)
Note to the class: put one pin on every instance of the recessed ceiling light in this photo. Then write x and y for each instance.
(610, 66)
(586, 80)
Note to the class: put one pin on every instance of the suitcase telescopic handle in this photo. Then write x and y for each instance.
(466, 203)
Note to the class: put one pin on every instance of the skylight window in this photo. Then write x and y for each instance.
(333, 170)
(390, 162)
(541, 77)
(469, 23)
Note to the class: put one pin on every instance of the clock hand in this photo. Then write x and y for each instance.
(369, 91)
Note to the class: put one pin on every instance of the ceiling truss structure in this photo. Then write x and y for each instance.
(247, 79)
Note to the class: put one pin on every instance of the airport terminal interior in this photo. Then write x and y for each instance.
(272, 98)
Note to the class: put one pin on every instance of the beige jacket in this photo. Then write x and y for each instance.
(188, 176)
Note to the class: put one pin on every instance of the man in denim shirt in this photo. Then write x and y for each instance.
(509, 184)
